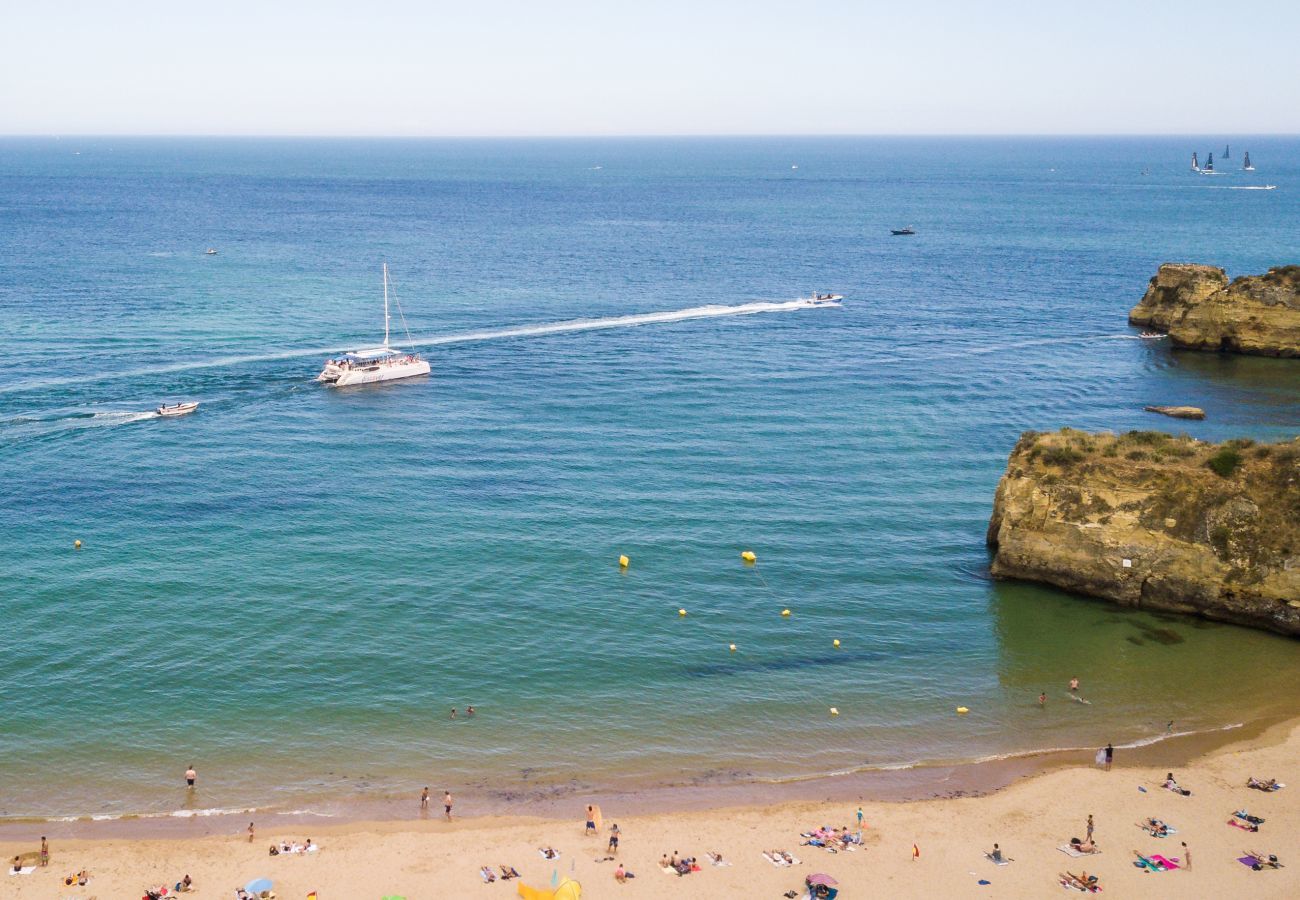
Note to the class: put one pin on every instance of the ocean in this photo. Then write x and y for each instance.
(293, 587)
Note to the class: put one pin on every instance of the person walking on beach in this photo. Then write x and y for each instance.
(446, 803)
(613, 838)
(190, 775)
(591, 819)
(1090, 827)
(424, 799)
(45, 852)
(250, 832)
(1187, 857)
(1110, 756)
(859, 818)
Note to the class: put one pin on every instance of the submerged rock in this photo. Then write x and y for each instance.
(1151, 520)
(1201, 310)
(1178, 412)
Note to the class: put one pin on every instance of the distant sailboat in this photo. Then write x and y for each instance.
(1196, 166)
(1208, 168)
(1226, 155)
(1245, 165)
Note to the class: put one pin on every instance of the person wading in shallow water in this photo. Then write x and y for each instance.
(1110, 756)
(424, 799)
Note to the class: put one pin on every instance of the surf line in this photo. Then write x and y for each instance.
(513, 331)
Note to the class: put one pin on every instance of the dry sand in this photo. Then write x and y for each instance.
(433, 859)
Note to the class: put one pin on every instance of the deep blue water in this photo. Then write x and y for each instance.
(293, 586)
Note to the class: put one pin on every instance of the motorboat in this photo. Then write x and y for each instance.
(211, 251)
(908, 230)
(1152, 335)
(821, 300)
(177, 409)
(376, 363)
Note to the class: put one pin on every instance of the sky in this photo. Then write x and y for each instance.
(670, 67)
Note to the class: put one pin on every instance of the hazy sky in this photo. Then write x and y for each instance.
(501, 67)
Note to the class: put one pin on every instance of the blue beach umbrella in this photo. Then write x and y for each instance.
(257, 885)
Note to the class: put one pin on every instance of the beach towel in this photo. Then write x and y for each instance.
(1167, 863)
(1069, 850)
(997, 862)
(1249, 861)
(543, 855)
(25, 870)
(717, 862)
(1242, 825)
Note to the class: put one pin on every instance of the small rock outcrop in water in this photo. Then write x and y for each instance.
(1201, 310)
(1178, 412)
(1155, 521)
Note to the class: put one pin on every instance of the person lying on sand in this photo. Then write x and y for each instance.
(1083, 881)
(1083, 846)
(1172, 785)
(1268, 861)
(548, 852)
(508, 872)
(1154, 827)
(1257, 784)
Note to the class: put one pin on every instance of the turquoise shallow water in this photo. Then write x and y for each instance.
(291, 588)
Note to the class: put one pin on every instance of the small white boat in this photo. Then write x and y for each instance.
(211, 251)
(820, 300)
(177, 409)
(377, 363)
(1152, 336)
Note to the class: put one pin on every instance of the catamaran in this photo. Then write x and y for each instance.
(1208, 168)
(1245, 163)
(376, 363)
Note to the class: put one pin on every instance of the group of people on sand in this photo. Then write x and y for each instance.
(682, 865)
(832, 839)
(287, 847)
(507, 873)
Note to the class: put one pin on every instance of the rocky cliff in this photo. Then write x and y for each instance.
(1201, 310)
(1155, 521)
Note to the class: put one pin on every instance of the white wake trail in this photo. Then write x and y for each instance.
(514, 331)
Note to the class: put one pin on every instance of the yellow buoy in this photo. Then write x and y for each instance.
(77, 544)
(961, 710)
(623, 561)
(837, 642)
(785, 612)
(748, 556)
(834, 711)
(733, 648)
(681, 612)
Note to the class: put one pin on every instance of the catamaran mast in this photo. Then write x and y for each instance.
(385, 306)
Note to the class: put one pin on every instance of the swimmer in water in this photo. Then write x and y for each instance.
(1074, 685)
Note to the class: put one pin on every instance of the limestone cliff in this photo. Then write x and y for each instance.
(1202, 310)
(1155, 521)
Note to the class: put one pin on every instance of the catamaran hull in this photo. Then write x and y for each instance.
(373, 374)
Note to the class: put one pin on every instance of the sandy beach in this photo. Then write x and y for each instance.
(1029, 820)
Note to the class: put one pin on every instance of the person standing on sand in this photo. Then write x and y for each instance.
(591, 819)
(916, 853)
(424, 799)
(250, 832)
(1187, 857)
(190, 775)
(45, 852)
(446, 803)
(1089, 826)
(1074, 685)
(859, 818)
(614, 833)
(1110, 756)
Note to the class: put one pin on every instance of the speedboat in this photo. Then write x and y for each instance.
(211, 251)
(377, 363)
(907, 230)
(820, 300)
(1151, 336)
(177, 409)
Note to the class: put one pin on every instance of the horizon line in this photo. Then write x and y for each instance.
(639, 135)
